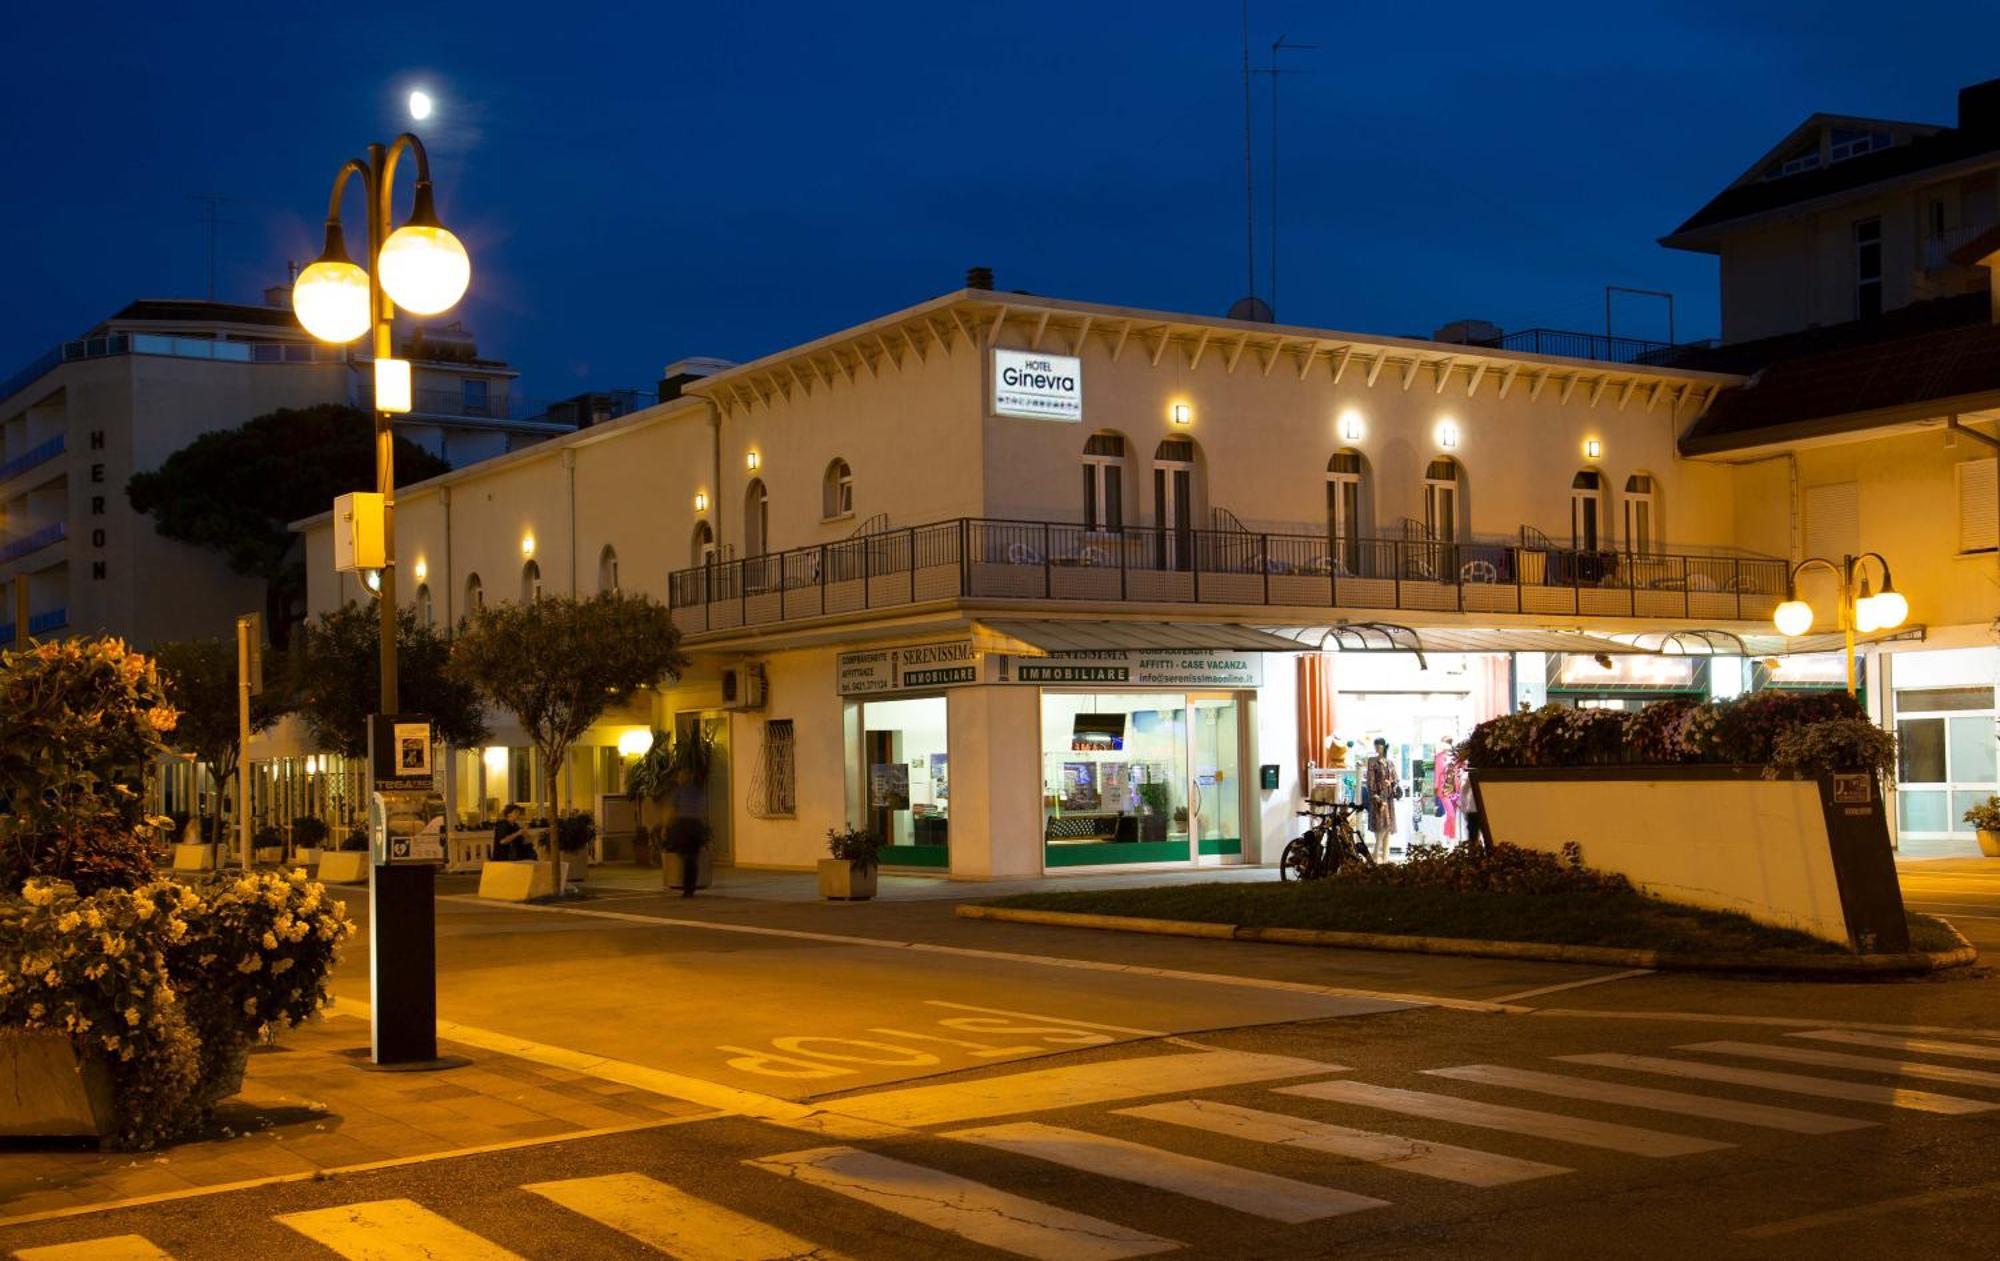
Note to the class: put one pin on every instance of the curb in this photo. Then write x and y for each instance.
(1818, 966)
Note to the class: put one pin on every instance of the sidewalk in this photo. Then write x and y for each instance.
(308, 1107)
(803, 886)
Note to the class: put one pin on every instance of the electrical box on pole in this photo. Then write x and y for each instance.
(359, 536)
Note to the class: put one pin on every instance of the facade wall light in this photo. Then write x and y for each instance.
(1351, 428)
(1593, 449)
(528, 546)
(701, 501)
(635, 742)
(1183, 414)
(421, 569)
(753, 461)
(1447, 434)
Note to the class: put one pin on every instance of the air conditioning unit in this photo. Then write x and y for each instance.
(743, 686)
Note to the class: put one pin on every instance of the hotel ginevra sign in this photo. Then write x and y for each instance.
(1036, 386)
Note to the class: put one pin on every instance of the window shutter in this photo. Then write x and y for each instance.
(1978, 514)
(1833, 520)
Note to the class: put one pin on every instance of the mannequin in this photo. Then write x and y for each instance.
(1448, 788)
(1382, 788)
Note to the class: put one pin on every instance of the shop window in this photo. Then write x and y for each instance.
(1586, 510)
(475, 595)
(1346, 475)
(1642, 512)
(780, 796)
(837, 494)
(531, 582)
(1104, 482)
(906, 770)
(756, 519)
(1947, 759)
(424, 618)
(607, 569)
(1443, 482)
(1140, 777)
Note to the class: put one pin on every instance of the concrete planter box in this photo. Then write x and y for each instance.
(845, 881)
(518, 881)
(306, 855)
(1989, 842)
(269, 853)
(1801, 854)
(342, 866)
(704, 869)
(193, 857)
(47, 1090)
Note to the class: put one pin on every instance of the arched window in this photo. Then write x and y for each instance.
(1104, 482)
(756, 519)
(475, 595)
(1346, 474)
(1444, 484)
(531, 582)
(1642, 514)
(1176, 490)
(703, 550)
(424, 616)
(607, 569)
(837, 492)
(1586, 511)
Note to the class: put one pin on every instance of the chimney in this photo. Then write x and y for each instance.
(1979, 108)
(979, 278)
(279, 296)
(675, 376)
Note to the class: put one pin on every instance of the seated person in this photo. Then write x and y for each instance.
(509, 843)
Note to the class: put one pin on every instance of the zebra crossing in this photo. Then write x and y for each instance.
(1334, 1123)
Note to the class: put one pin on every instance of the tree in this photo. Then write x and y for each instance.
(199, 676)
(335, 680)
(237, 491)
(558, 663)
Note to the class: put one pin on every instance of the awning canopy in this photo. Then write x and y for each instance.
(1034, 638)
(1390, 637)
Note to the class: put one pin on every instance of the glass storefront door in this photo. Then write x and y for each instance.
(1215, 800)
(906, 774)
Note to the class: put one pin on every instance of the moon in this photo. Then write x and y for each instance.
(420, 105)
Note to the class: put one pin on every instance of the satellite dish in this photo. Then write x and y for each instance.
(1252, 308)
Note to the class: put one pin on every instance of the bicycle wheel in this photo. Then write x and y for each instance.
(1300, 860)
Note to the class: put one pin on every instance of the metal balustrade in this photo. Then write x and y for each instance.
(978, 558)
(41, 453)
(34, 542)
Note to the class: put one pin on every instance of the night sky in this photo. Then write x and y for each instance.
(664, 180)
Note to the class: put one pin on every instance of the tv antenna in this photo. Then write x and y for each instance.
(211, 216)
(1249, 175)
(1278, 45)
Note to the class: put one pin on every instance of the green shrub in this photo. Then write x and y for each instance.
(310, 831)
(855, 845)
(1825, 748)
(1502, 869)
(575, 830)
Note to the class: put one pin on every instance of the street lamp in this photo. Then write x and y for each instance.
(1860, 609)
(420, 266)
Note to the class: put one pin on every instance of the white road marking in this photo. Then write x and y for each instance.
(971, 1210)
(1919, 1046)
(1710, 1107)
(392, 1230)
(1626, 975)
(1245, 1190)
(1772, 1022)
(675, 1222)
(1102, 1081)
(1432, 1160)
(1046, 1020)
(1796, 1083)
(1837, 1059)
(110, 1248)
(1629, 1139)
(1880, 1208)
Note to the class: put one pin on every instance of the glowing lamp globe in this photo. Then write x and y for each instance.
(1793, 617)
(330, 296)
(635, 742)
(423, 267)
(1890, 609)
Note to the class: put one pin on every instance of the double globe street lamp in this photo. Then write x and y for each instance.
(420, 267)
(1861, 609)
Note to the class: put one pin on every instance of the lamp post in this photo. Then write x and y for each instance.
(1860, 610)
(422, 267)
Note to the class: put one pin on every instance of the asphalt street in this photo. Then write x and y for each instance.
(938, 1087)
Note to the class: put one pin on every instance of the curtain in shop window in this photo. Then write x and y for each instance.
(1492, 693)
(1316, 730)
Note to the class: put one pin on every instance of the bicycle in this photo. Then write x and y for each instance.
(1328, 844)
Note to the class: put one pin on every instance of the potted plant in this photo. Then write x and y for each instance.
(1155, 804)
(309, 833)
(574, 831)
(850, 874)
(268, 845)
(642, 847)
(1986, 817)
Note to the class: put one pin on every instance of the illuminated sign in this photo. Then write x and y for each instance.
(1036, 386)
(1626, 670)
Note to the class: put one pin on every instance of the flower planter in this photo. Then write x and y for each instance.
(306, 855)
(342, 866)
(47, 1090)
(197, 857)
(704, 869)
(269, 853)
(1989, 842)
(517, 881)
(844, 881)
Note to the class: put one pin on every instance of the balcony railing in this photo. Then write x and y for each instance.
(971, 558)
(44, 622)
(1575, 345)
(33, 542)
(39, 454)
